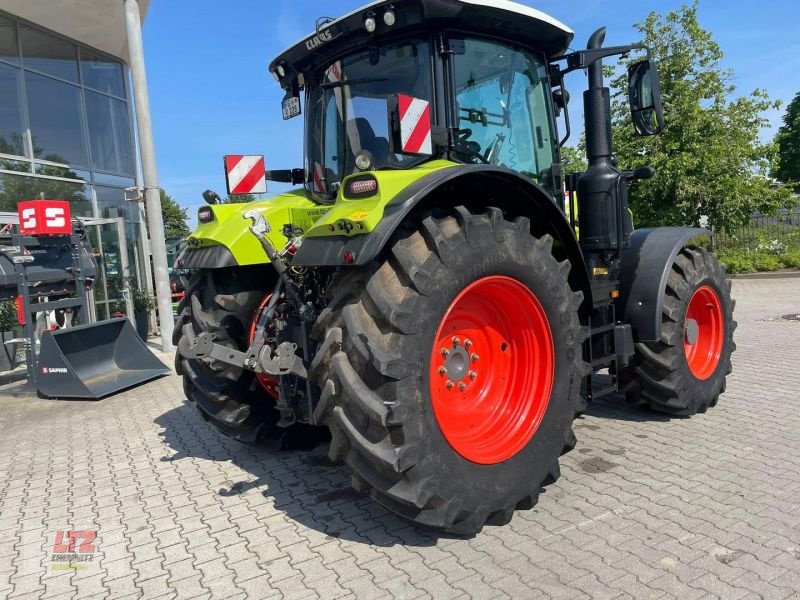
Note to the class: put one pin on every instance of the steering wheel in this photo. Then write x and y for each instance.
(473, 149)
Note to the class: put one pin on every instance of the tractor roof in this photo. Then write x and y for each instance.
(512, 21)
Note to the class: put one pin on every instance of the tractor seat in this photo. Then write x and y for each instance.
(377, 146)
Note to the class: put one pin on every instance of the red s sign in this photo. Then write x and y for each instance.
(45, 217)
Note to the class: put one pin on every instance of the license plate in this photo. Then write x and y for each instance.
(291, 107)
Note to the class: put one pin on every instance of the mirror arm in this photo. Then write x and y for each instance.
(567, 129)
(581, 59)
(293, 176)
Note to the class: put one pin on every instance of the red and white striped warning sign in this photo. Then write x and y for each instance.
(318, 179)
(415, 125)
(334, 72)
(245, 174)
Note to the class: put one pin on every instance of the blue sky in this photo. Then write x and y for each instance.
(211, 93)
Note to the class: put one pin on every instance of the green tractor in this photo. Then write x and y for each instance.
(424, 294)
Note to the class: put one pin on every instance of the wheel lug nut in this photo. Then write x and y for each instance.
(467, 343)
(442, 371)
(449, 385)
(472, 374)
(462, 387)
(456, 341)
(475, 357)
(445, 352)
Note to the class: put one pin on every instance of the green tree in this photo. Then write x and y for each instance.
(574, 158)
(788, 139)
(174, 216)
(710, 161)
(239, 198)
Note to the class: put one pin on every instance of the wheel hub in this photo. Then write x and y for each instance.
(456, 365)
(692, 331)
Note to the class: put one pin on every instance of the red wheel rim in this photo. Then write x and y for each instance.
(492, 369)
(704, 332)
(270, 384)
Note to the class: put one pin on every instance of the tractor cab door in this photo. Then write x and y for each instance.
(503, 109)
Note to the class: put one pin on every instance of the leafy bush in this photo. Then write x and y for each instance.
(143, 301)
(791, 260)
(766, 262)
(738, 260)
(8, 316)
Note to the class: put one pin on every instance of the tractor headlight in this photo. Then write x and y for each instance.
(389, 18)
(370, 25)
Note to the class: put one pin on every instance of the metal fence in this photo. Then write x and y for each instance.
(764, 233)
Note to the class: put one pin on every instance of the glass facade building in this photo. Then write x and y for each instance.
(67, 132)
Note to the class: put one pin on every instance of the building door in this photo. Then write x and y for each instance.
(112, 294)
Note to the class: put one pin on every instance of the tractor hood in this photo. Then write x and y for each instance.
(501, 18)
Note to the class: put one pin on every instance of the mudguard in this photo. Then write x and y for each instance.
(646, 264)
(487, 185)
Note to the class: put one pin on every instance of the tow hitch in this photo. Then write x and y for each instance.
(283, 361)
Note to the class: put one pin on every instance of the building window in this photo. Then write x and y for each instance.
(72, 99)
(15, 188)
(12, 129)
(9, 50)
(102, 74)
(49, 54)
(109, 133)
(56, 120)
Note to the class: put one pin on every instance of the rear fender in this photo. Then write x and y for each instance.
(473, 186)
(645, 267)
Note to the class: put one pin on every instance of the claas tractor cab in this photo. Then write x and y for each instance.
(422, 293)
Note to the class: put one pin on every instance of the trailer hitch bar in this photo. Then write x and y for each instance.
(283, 361)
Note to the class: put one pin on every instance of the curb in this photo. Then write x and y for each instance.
(772, 275)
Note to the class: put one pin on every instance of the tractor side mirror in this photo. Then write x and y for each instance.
(560, 100)
(644, 96)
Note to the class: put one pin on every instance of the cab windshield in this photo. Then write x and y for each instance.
(348, 111)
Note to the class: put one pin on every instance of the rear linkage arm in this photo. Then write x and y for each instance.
(259, 357)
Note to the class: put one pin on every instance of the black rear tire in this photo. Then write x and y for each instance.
(224, 302)
(372, 368)
(659, 375)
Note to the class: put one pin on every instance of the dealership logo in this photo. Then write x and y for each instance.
(54, 370)
(73, 549)
(54, 217)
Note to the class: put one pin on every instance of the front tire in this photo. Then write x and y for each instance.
(384, 378)
(685, 372)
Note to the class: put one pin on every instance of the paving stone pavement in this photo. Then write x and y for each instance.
(647, 506)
